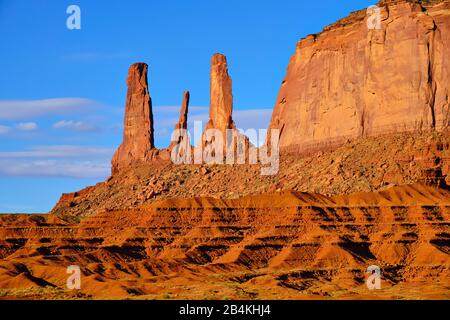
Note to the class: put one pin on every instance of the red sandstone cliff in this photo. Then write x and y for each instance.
(350, 81)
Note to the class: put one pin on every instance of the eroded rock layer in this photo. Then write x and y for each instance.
(367, 164)
(279, 245)
(354, 81)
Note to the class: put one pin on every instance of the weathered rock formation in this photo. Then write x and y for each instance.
(352, 81)
(368, 164)
(138, 140)
(182, 122)
(221, 111)
(299, 244)
(221, 103)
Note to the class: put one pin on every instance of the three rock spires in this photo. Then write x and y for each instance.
(138, 137)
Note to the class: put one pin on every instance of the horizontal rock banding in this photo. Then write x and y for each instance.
(270, 236)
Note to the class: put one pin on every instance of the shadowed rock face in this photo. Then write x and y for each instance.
(351, 81)
(138, 138)
(221, 103)
(182, 122)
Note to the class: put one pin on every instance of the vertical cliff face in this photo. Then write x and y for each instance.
(351, 81)
(138, 138)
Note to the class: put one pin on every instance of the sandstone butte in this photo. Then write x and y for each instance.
(349, 81)
(363, 180)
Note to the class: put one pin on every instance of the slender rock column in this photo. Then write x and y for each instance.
(138, 136)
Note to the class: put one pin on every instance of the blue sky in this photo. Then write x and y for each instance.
(63, 91)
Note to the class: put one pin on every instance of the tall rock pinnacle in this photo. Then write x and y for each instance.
(138, 137)
(221, 103)
(182, 122)
(221, 110)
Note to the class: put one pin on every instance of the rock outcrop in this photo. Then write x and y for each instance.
(320, 246)
(221, 103)
(182, 121)
(354, 81)
(221, 114)
(365, 165)
(138, 139)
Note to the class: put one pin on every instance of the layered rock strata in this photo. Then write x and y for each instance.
(279, 245)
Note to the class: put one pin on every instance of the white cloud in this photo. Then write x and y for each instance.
(57, 161)
(176, 109)
(27, 126)
(74, 125)
(56, 168)
(23, 109)
(252, 118)
(59, 151)
(4, 129)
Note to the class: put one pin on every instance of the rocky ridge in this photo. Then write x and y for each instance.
(365, 164)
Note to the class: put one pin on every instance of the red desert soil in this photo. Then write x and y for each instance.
(282, 245)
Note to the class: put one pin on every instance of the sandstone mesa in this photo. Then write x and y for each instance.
(350, 81)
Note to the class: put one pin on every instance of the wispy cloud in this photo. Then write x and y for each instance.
(55, 168)
(78, 126)
(27, 126)
(252, 118)
(4, 129)
(176, 109)
(25, 109)
(59, 151)
(57, 161)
